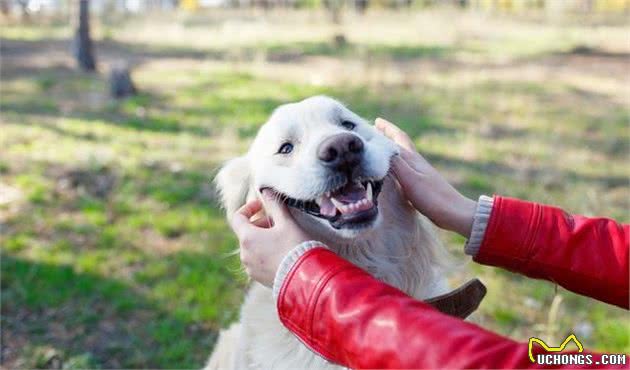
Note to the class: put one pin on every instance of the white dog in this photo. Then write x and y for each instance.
(332, 168)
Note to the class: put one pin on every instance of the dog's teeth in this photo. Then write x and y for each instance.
(368, 191)
(337, 203)
(363, 204)
(327, 207)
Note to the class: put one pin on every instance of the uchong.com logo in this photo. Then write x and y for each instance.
(554, 355)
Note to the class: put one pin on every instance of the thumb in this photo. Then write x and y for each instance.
(274, 207)
(395, 134)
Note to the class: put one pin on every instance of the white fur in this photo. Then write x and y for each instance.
(400, 248)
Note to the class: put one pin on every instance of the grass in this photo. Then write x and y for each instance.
(114, 251)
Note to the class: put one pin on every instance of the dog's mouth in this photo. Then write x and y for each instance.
(353, 205)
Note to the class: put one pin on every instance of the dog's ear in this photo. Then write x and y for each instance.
(232, 182)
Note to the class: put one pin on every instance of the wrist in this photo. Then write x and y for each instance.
(463, 214)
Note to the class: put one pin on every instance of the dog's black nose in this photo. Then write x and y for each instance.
(341, 152)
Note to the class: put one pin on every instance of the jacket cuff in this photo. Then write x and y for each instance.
(289, 260)
(480, 224)
(510, 234)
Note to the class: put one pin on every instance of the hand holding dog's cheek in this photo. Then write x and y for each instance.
(265, 242)
(425, 187)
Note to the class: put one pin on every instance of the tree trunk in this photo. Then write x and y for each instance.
(82, 41)
(361, 6)
(24, 10)
(120, 83)
(5, 9)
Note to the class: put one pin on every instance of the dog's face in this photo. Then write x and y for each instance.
(323, 160)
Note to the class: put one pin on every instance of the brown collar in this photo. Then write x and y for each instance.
(462, 301)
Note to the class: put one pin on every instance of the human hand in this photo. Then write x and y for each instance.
(265, 242)
(425, 187)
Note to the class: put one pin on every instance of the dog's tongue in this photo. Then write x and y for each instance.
(350, 199)
(350, 193)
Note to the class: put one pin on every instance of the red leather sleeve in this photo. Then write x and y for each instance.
(350, 318)
(586, 255)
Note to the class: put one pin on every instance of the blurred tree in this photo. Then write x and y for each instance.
(334, 8)
(83, 50)
(23, 4)
(5, 8)
(361, 5)
(120, 83)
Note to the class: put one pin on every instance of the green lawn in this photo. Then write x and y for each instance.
(114, 251)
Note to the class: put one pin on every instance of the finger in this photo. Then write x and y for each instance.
(414, 159)
(277, 210)
(394, 133)
(406, 154)
(240, 219)
(263, 222)
(403, 165)
(401, 168)
(250, 208)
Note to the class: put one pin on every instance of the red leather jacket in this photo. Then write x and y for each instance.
(350, 318)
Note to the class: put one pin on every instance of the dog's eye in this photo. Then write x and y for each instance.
(349, 125)
(285, 148)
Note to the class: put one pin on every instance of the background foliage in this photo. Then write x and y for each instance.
(114, 251)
